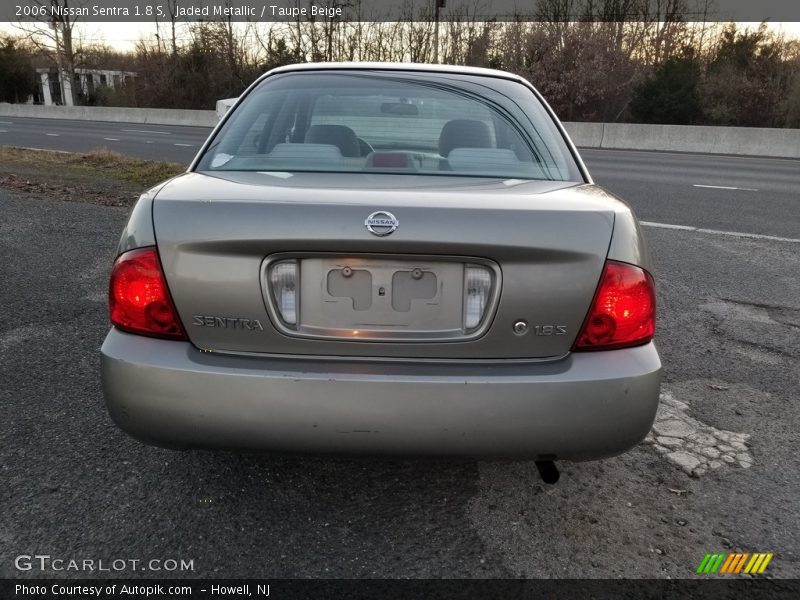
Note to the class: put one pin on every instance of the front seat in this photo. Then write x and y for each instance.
(464, 133)
(340, 136)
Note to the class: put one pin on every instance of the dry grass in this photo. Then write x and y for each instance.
(100, 176)
(97, 162)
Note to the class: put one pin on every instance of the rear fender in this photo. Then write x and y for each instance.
(139, 231)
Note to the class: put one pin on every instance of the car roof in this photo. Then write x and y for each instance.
(396, 66)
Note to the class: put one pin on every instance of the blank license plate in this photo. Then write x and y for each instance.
(381, 299)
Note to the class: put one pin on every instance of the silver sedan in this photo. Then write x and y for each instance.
(385, 258)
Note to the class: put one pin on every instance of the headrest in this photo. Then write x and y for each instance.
(464, 133)
(340, 136)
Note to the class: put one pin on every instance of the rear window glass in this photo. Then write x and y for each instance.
(430, 124)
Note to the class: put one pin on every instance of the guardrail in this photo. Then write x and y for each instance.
(154, 116)
(745, 141)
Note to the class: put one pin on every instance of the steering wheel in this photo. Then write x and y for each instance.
(364, 148)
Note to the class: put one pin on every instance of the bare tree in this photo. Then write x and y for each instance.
(172, 6)
(557, 16)
(53, 35)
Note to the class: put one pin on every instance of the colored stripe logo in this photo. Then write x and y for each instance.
(734, 563)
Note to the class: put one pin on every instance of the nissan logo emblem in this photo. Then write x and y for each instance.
(381, 223)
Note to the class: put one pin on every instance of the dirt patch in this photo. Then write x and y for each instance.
(97, 177)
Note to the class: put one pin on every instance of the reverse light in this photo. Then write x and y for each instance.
(623, 311)
(138, 298)
(477, 290)
(283, 281)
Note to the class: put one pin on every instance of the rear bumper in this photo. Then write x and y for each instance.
(585, 406)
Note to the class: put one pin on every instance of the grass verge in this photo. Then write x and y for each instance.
(99, 177)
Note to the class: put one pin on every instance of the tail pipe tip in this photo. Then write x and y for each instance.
(548, 471)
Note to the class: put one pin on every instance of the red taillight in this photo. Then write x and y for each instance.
(623, 311)
(138, 297)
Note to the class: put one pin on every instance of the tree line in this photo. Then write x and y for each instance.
(605, 66)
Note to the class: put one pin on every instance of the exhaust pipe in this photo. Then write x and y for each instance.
(548, 471)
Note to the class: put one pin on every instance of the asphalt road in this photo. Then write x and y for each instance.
(680, 189)
(154, 142)
(73, 486)
(695, 189)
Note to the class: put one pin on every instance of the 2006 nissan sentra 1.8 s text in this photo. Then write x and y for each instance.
(384, 258)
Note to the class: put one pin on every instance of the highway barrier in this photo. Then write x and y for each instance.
(153, 116)
(745, 141)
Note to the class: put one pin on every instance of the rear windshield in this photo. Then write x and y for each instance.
(385, 122)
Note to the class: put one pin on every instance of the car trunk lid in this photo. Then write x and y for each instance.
(542, 243)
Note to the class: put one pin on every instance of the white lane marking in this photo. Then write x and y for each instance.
(112, 139)
(52, 134)
(147, 131)
(753, 236)
(3, 130)
(6, 122)
(723, 187)
(738, 234)
(186, 145)
(669, 226)
(42, 149)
